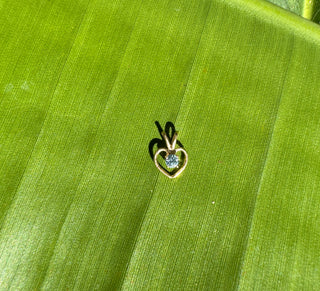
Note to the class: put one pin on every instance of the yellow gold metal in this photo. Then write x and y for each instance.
(170, 150)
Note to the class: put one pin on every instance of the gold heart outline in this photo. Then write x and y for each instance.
(165, 172)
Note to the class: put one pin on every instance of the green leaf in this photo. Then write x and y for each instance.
(296, 6)
(309, 9)
(82, 204)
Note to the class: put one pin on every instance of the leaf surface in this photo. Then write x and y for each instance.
(83, 206)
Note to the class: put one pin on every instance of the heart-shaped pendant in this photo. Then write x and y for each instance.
(171, 159)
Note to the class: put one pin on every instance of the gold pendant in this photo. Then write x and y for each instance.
(171, 159)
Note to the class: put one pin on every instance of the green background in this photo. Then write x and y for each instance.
(83, 206)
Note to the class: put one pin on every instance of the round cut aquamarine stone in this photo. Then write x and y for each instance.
(172, 161)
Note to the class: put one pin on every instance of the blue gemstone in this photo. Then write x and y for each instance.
(172, 161)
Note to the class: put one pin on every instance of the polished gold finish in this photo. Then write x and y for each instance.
(170, 150)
